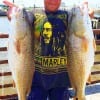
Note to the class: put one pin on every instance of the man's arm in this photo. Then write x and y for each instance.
(10, 5)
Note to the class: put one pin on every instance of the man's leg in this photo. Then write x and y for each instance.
(59, 94)
(38, 93)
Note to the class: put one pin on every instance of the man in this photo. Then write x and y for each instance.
(51, 78)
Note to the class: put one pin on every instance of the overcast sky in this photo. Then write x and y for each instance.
(95, 3)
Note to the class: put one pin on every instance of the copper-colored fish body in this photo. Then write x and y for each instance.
(80, 51)
(20, 54)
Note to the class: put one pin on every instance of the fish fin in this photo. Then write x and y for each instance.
(84, 45)
(94, 44)
(17, 46)
(14, 84)
(89, 80)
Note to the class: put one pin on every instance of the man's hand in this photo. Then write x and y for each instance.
(11, 5)
(91, 11)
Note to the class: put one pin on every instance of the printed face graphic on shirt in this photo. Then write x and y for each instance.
(53, 38)
(47, 32)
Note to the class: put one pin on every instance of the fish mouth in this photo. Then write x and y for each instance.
(24, 13)
(19, 13)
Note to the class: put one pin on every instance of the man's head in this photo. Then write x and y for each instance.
(52, 5)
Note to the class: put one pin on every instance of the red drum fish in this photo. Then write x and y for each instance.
(20, 51)
(81, 47)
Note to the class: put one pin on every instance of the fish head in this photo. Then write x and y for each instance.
(19, 23)
(78, 22)
(81, 23)
(18, 14)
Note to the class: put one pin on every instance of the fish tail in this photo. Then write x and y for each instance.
(21, 92)
(28, 91)
(80, 94)
(80, 98)
(21, 97)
